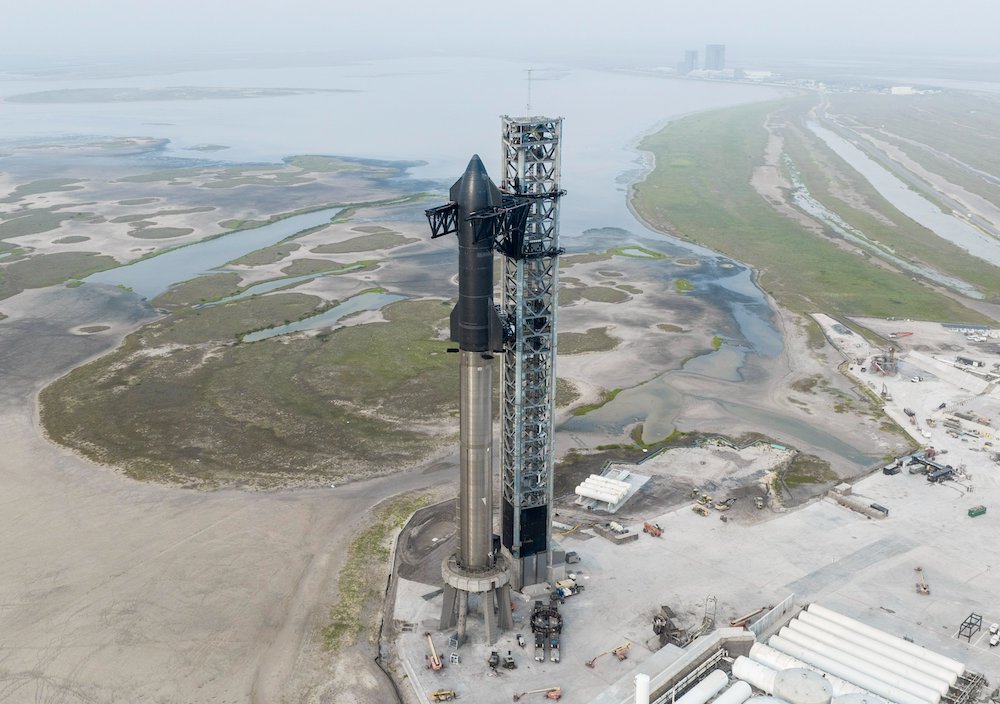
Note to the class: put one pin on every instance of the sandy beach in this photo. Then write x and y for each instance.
(116, 590)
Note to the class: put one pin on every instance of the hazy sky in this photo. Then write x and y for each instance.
(599, 28)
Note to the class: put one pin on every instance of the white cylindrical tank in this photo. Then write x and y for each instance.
(861, 665)
(642, 689)
(894, 666)
(858, 699)
(838, 669)
(706, 689)
(737, 693)
(802, 686)
(777, 660)
(889, 639)
(758, 675)
(806, 618)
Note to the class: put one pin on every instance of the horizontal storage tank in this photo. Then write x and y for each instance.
(758, 675)
(765, 700)
(706, 689)
(861, 640)
(886, 669)
(838, 669)
(802, 686)
(736, 693)
(858, 699)
(889, 639)
(777, 660)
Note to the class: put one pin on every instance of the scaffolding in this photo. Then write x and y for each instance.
(532, 160)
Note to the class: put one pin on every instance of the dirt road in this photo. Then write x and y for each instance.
(115, 591)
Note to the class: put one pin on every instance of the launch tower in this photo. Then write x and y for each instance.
(531, 163)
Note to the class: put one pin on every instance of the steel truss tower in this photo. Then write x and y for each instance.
(532, 161)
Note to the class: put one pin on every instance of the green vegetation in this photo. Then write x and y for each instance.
(815, 337)
(670, 327)
(606, 397)
(571, 260)
(201, 289)
(305, 267)
(133, 218)
(208, 148)
(717, 342)
(807, 469)
(973, 119)
(806, 385)
(566, 393)
(637, 252)
(50, 269)
(829, 179)
(683, 285)
(568, 295)
(45, 185)
(362, 578)
(365, 243)
(160, 233)
(320, 164)
(630, 289)
(71, 239)
(236, 224)
(594, 340)
(37, 221)
(701, 190)
(268, 255)
(180, 402)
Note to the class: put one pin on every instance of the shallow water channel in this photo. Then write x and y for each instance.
(911, 203)
(153, 276)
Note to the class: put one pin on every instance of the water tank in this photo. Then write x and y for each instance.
(765, 700)
(737, 693)
(880, 658)
(760, 676)
(776, 660)
(642, 688)
(868, 667)
(858, 699)
(828, 665)
(844, 633)
(706, 689)
(889, 639)
(802, 686)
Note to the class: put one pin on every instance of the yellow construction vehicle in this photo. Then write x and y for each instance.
(554, 693)
(443, 695)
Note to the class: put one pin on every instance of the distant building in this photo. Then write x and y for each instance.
(690, 61)
(715, 57)
(902, 90)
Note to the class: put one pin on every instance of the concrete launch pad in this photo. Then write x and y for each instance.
(860, 566)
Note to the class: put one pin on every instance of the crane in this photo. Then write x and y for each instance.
(621, 652)
(433, 661)
(554, 693)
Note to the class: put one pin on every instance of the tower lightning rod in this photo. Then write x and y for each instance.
(528, 106)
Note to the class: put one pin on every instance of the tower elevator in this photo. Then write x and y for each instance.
(529, 280)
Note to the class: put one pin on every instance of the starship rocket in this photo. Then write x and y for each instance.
(476, 327)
